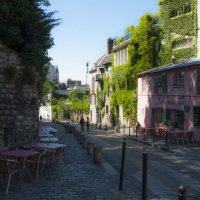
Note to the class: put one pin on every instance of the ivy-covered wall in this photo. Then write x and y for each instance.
(178, 22)
(142, 55)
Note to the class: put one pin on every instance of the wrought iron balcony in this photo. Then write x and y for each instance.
(99, 77)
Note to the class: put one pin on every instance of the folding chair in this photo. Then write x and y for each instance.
(9, 167)
(37, 160)
(58, 154)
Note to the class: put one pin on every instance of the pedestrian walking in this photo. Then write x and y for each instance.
(88, 123)
(82, 122)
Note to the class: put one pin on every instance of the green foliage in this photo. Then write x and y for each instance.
(100, 98)
(48, 87)
(26, 28)
(142, 56)
(106, 84)
(76, 93)
(78, 101)
(176, 27)
(119, 40)
(10, 73)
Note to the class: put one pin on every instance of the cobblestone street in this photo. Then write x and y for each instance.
(77, 178)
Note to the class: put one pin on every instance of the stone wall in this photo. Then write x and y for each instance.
(19, 103)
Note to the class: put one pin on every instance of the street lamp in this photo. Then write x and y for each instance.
(82, 108)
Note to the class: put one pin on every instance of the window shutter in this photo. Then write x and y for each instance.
(164, 83)
(155, 85)
(198, 82)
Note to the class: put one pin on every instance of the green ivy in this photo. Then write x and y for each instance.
(142, 56)
(176, 28)
(25, 27)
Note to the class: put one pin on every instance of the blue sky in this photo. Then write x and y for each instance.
(85, 27)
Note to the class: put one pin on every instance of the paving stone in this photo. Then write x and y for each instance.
(78, 178)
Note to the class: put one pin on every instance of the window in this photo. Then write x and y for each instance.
(179, 79)
(198, 82)
(182, 10)
(121, 57)
(196, 117)
(174, 13)
(187, 9)
(93, 85)
(107, 109)
(184, 43)
(144, 84)
(160, 84)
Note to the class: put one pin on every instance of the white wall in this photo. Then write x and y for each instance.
(45, 111)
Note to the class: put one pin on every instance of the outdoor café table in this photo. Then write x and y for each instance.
(22, 155)
(45, 135)
(49, 146)
(49, 139)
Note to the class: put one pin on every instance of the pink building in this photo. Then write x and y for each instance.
(171, 95)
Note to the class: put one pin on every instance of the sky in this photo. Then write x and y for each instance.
(85, 27)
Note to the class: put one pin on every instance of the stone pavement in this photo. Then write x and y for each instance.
(78, 178)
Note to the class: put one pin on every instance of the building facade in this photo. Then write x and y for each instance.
(120, 53)
(100, 109)
(171, 95)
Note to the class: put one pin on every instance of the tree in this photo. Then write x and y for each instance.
(26, 28)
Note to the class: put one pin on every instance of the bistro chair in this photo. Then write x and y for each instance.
(37, 161)
(9, 167)
(179, 137)
(190, 137)
(58, 154)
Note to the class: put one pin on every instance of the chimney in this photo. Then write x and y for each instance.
(173, 59)
(109, 45)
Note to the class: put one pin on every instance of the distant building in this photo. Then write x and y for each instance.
(73, 83)
(53, 73)
(100, 114)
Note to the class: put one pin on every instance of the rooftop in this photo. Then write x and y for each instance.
(183, 64)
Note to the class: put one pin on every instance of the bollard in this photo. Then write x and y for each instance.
(97, 158)
(90, 148)
(122, 164)
(129, 130)
(84, 144)
(78, 136)
(182, 192)
(153, 136)
(136, 131)
(81, 139)
(144, 175)
(166, 138)
(116, 129)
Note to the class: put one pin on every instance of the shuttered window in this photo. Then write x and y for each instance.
(198, 82)
(196, 117)
(160, 84)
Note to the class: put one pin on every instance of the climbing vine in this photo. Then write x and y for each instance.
(142, 56)
(25, 27)
(179, 21)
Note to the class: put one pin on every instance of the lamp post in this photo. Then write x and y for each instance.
(82, 108)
